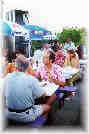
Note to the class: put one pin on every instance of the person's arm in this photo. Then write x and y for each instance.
(57, 82)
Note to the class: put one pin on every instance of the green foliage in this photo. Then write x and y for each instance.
(77, 35)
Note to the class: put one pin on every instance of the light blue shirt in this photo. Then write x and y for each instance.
(21, 90)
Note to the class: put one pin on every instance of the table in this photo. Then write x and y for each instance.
(50, 88)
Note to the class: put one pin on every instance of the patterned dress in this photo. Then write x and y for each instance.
(56, 72)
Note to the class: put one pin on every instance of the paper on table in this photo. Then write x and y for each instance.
(50, 88)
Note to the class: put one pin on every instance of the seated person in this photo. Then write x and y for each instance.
(9, 67)
(59, 58)
(50, 71)
(59, 54)
(72, 60)
(20, 92)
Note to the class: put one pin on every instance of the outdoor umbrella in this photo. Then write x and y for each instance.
(37, 32)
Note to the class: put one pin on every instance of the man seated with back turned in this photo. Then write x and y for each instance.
(20, 92)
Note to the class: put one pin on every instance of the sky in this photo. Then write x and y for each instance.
(53, 14)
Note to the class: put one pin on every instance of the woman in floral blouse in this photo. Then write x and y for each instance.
(50, 71)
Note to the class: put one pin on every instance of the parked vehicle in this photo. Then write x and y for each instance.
(15, 37)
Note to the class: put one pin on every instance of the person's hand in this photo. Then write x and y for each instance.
(50, 78)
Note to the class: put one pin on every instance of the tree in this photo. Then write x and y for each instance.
(77, 35)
